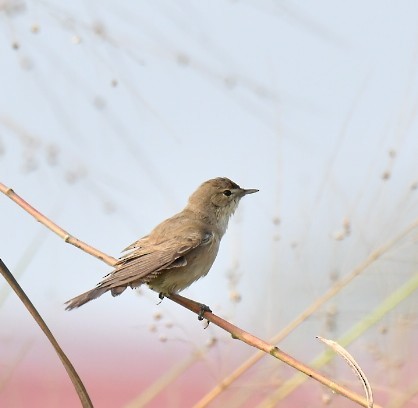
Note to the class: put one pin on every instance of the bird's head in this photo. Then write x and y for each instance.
(218, 198)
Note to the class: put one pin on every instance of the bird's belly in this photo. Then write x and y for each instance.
(199, 262)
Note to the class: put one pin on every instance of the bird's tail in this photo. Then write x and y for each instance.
(85, 297)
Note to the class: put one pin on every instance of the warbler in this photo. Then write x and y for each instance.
(178, 251)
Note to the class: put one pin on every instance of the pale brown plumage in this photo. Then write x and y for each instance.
(178, 251)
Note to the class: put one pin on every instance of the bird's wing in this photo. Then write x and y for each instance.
(136, 244)
(148, 260)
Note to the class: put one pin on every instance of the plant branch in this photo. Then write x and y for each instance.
(78, 384)
(195, 307)
(309, 311)
(67, 237)
(254, 341)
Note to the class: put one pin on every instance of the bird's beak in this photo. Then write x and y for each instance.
(249, 191)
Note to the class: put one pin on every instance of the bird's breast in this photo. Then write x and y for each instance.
(199, 261)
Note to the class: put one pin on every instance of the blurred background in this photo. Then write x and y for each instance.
(112, 113)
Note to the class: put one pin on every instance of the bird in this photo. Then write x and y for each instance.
(179, 250)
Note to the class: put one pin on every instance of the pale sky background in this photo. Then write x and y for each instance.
(112, 113)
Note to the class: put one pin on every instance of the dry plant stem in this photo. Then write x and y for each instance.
(191, 305)
(354, 366)
(78, 385)
(309, 311)
(55, 228)
(355, 332)
(254, 341)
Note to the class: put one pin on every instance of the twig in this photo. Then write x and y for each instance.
(309, 311)
(78, 384)
(254, 341)
(388, 304)
(67, 237)
(354, 365)
(195, 307)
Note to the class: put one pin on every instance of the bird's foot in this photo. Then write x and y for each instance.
(203, 310)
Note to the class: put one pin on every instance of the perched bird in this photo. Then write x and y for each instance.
(178, 251)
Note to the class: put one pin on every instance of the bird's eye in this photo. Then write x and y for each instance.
(227, 193)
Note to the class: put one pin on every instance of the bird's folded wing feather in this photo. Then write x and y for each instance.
(150, 259)
(136, 244)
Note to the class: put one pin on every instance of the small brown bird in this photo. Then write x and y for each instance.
(178, 251)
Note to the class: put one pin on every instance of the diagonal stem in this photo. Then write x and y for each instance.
(72, 373)
(195, 307)
(254, 341)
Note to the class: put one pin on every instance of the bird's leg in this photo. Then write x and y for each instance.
(161, 296)
(203, 310)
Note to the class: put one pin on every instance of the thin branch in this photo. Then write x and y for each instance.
(78, 384)
(254, 341)
(352, 334)
(67, 237)
(309, 311)
(195, 307)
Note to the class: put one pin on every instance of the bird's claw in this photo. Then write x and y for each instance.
(161, 296)
(203, 310)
